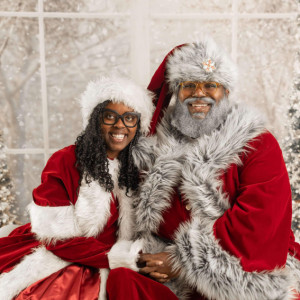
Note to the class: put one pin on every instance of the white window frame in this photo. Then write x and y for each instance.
(140, 18)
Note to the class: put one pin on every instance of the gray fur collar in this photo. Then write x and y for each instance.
(194, 166)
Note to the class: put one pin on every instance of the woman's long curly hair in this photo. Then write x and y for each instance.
(92, 161)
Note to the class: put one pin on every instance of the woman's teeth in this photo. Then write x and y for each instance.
(119, 137)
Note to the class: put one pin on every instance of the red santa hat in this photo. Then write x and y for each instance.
(199, 61)
(117, 89)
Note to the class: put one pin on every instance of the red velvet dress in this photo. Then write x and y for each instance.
(80, 280)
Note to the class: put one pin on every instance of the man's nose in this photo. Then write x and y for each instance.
(198, 92)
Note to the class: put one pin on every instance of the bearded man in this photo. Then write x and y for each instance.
(214, 213)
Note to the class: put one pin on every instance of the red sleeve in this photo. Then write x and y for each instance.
(89, 251)
(257, 227)
(85, 251)
(59, 180)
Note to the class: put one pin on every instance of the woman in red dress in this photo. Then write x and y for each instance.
(83, 204)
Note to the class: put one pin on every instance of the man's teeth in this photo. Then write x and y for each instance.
(199, 105)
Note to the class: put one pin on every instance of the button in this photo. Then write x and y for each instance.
(188, 206)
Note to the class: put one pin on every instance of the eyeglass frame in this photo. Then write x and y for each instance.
(138, 115)
(197, 84)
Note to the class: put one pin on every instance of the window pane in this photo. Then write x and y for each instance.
(20, 96)
(78, 51)
(190, 6)
(182, 31)
(25, 171)
(87, 6)
(13, 5)
(266, 57)
(268, 6)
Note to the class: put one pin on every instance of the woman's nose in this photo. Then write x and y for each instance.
(119, 124)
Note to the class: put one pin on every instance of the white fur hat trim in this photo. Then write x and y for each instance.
(117, 89)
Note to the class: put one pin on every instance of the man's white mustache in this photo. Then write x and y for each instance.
(204, 99)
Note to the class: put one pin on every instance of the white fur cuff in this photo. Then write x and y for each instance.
(125, 254)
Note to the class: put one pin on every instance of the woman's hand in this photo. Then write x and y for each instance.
(158, 266)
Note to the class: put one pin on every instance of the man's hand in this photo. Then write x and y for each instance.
(158, 266)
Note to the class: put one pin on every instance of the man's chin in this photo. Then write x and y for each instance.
(198, 116)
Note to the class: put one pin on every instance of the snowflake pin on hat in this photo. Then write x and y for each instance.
(208, 65)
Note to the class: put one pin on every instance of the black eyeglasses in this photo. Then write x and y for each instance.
(111, 117)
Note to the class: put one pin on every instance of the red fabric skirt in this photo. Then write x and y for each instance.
(72, 282)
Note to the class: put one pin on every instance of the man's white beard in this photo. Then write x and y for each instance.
(195, 127)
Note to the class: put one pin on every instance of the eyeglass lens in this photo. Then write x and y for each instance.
(206, 87)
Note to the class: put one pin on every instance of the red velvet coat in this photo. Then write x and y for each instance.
(68, 225)
(229, 227)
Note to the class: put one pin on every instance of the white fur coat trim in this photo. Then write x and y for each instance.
(103, 277)
(87, 217)
(195, 169)
(218, 275)
(126, 217)
(40, 264)
(36, 266)
(294, 265)
(53, 223)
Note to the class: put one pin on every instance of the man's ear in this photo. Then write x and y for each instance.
(227, 92)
